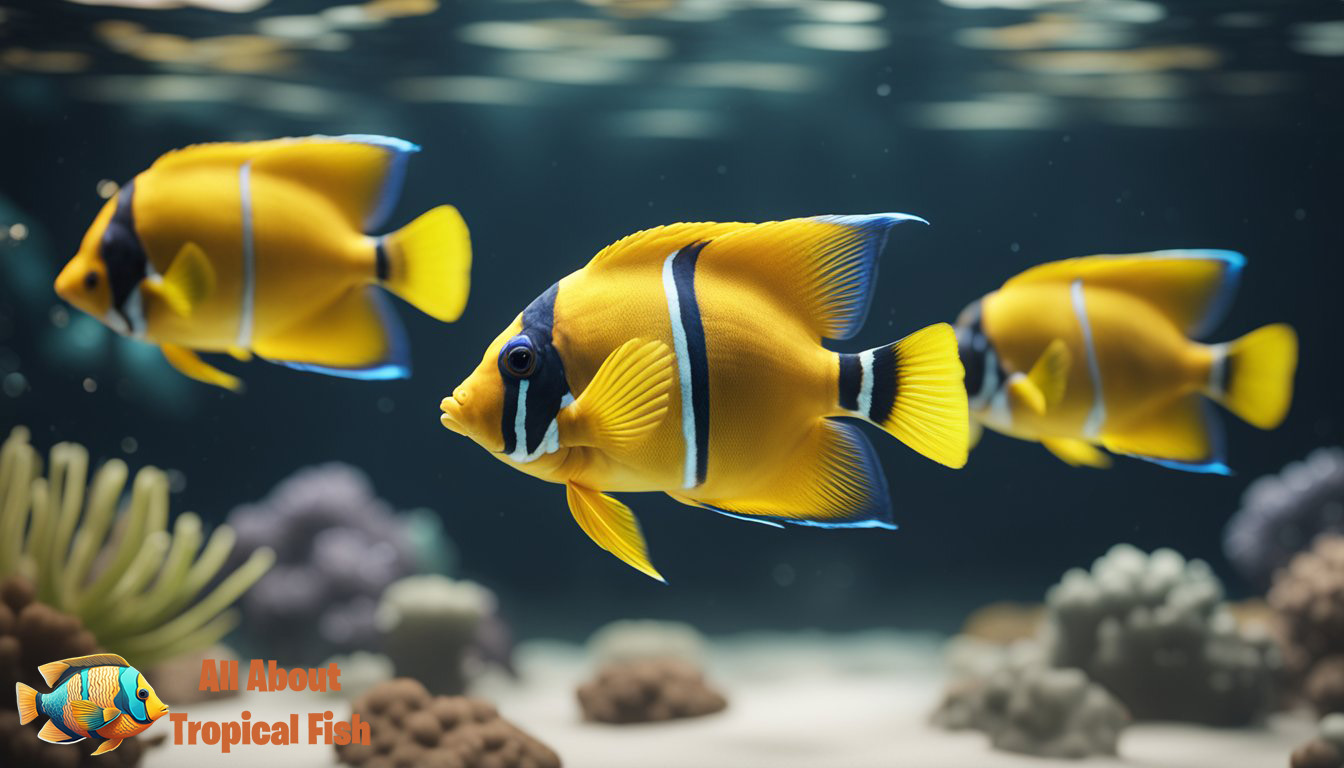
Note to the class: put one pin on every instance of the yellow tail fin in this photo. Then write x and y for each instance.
(914, 390)
(428, 263)
(1254, 375)
(27, 703)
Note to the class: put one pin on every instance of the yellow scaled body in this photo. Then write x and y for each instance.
(687, 359)
(1097, 352)
(260, 247)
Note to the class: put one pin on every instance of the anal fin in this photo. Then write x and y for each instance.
(1183, 435)
(52, 734)
(1076, 453)
(107, 746)
(189, 364)
(612, 526)
(832, 480)
(358, 336)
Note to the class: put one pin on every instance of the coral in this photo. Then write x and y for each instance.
(431, 628)
(650, 690)
(411, 728)
(131, 581)
(360, 672)
(1027, 707)
(1309, 598)
(1004, 623)
(32, 634)
(1281, 514)
(1154, 631)
(1324, 751)
(338, 547)
(631, 639)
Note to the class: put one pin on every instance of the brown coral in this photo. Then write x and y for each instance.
(1308, 597)
(411, 729)
(648, 690)
(31, 634)
(1317, 753)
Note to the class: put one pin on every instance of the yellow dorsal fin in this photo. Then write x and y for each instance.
(654, 245)
(54, 735)
(107, 746)
(189, 364)
(53, 672)
(189, 280)
(626, 400)
(361, 174)
(1050, 374)
(612, 526)
(1076, 453)
(90, 716)
(1193, 288)
(819, 268)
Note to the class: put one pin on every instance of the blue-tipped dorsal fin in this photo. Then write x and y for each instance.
(822, 268)
(1192, 287)
(362, 174)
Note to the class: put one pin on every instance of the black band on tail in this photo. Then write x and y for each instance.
(885, 362)
(851, 379)
(381, 266)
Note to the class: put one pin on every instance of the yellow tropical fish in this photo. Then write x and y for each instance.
(260, 247)
(687, 359)
(98, 697)
(1097, 351)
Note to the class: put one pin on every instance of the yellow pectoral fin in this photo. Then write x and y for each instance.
(626, 400)
(1023, 394)
(107, 746)
(612, 526)
(189, 364)
(188, 282)
(1076, 453)
(1050, 374)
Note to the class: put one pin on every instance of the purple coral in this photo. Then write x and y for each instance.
(1281, 514)
(337, 548)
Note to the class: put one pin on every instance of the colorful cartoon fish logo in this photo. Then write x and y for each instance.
(98, 697)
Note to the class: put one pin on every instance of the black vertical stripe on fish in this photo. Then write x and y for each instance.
(546, 386)
(851, 379)
(885, 362)
(380, 264)
(683, 274)
(121, 251)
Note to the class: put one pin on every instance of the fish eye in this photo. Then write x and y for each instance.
(91, 280)
(142, 694)
(519, 357)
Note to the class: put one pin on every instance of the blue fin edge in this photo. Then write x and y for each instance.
(394, 178)
(1215, 465)
(1233, 263)
(398, 364)
(875, 227)
(876, 516)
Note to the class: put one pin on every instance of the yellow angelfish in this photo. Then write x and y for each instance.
(687, 359)
(1097, 351)
(98, 697)
(260, 247)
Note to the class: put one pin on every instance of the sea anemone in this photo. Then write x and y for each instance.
(132, 582)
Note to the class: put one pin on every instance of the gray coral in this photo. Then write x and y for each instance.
(439, 631)
(1028, 707)
(338, 546)
(1281, 513)
(1153, 629)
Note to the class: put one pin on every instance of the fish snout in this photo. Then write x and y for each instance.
(451, 417)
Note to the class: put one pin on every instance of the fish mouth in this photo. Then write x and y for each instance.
(450, 406)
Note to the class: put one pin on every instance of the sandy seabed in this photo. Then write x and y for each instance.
(799, 700)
